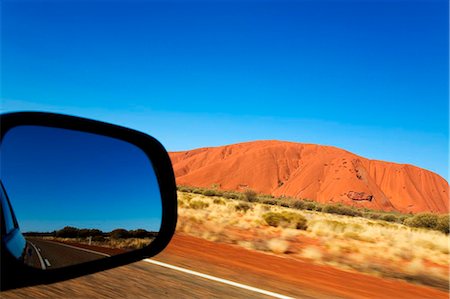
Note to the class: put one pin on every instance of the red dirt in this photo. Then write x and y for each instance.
(321, 173)
(291, 276)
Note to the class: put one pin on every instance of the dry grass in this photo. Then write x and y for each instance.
(371, 246)
(128, 243)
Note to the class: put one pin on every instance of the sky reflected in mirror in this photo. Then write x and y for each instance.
(57, 177)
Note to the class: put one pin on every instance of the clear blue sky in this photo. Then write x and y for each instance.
(367, 76)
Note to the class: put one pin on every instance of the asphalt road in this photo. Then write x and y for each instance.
(176, 275)
(138, 280)
(50, 255)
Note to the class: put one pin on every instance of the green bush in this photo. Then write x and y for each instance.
(244, 207)
(389, 218)
(299, 205)
(274, 219)
(184, 189)
(219, 201)
(402, 218)
(271, 202)
(231, 195)
(341, 210)
(142, 233)
(198, 204)
(197, 191)
(67, 232)
(119, 233)
(312, 206)
(285, 219)
(443, 224)
(250, 195)
(374, 216)
(318, 208)
(208, 192)
(425, 220)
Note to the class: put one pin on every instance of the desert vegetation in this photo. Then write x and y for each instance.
(423, 220)
(117, 238)
(401, 246)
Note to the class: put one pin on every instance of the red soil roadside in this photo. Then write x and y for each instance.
(285, 275)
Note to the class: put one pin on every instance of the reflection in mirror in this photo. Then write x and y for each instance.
(75, 196)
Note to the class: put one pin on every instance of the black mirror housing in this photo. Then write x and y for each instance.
(15, 274)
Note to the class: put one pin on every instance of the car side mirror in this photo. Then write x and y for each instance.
(79, 196)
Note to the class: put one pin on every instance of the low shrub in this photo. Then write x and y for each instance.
(231, 195)
(197, 191)
(184, 189)
(402, 218)
(318, 208)
(67, 232)
(208, 192)
(285, 219)
(374, 216)
(84, 233)
(119, 233)
(443, 223)
(299, 205)
(271, 202)
(389, 218)
(242, 207)
(341, 210)
(424, 220)
(198, 205)
(250, 195)
(312, 206)
(219, 201)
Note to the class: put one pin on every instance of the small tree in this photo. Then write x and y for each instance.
(119, 233)
(67, 232)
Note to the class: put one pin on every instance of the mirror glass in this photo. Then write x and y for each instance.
(69, 197)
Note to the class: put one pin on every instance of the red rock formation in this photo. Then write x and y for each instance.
(322, 173)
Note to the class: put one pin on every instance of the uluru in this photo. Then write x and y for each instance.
(316, 172)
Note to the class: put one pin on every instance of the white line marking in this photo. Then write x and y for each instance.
(83, 249)
(39, 256)
(206, 276)
(47, 262)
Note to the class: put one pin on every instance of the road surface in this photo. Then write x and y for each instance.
(283, 276)
(50, 255)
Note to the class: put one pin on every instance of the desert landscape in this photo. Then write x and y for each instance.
(321, 204)
(386, 248)
(324, 174)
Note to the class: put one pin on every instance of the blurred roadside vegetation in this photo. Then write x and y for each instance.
(439, 222)
(413, 248)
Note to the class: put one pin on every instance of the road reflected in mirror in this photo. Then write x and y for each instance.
(74, 197)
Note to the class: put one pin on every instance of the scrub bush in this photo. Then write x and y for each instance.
(198, 205)
(286, 219)
(443, 224)
(424, 220)
(119, 233)
(250, 195)
(244, 207)
(341, 210)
